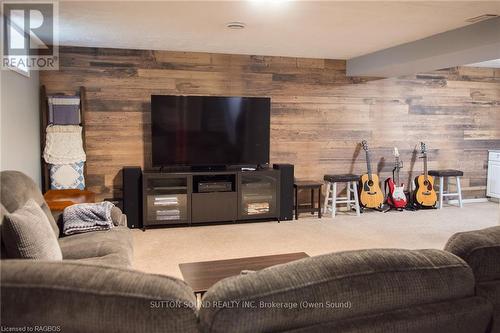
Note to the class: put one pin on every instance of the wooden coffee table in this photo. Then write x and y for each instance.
(202, 275)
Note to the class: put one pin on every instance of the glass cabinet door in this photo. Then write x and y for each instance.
(259, 194)
(167, 208)
(166, 200)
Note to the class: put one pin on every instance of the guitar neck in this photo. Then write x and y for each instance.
(425, 166)
(397, 171)
(368, 165)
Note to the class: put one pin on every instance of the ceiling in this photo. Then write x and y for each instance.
(490, 64)
(315, 29)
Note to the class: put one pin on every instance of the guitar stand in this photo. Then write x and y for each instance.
(353, 209)
(379, 209)
(392, 208)
(425, 208)
(415, 206)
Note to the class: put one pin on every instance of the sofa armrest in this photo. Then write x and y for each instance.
(82, 297)
(480, 249)
(118, 218)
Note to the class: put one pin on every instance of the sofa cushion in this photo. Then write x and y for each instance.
(480, 249)
(16, 188)
(111, 247)
(466, 315)
(334, 287)
(84, 297)
(27, 234)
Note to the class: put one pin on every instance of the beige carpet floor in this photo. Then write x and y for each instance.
(161, 250)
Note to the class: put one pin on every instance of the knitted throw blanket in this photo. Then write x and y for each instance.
(87, 217)
(64, 145)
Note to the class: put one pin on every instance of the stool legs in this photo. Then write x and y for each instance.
(348, 195)
(327, 195)
(459, 190)
(319, 203)
(447, 181)
(445, 195)
(334, 199)
(441, 191)
(356, 200)
(312, 200)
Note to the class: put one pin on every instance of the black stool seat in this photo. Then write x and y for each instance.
(446, 173)
(348, 177)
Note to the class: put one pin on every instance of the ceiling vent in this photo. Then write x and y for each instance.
(235, 25)
(481, 18)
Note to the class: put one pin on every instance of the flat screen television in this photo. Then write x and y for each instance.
(210, 131)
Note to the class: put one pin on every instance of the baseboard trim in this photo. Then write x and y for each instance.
(466, 201)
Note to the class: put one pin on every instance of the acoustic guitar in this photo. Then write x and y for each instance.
(396, 197)
(425, 195)
(370, 194)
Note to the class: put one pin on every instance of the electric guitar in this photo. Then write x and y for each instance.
(396, 197)
(425, 195)
(370, 194)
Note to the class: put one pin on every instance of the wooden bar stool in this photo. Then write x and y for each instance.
(307, 208)
(351, 187)
(442, 174)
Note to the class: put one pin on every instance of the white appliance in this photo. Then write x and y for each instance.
(493, 187)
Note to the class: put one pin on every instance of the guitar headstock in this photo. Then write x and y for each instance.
(396, 152)
(397, 164)
(365, 145)
(423, 148)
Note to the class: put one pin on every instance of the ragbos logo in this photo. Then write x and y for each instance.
(29, 36)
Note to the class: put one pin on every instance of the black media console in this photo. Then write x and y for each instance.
(187, 198)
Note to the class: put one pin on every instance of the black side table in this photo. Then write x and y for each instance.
(307, 208)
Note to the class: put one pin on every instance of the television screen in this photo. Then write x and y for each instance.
(209, 131)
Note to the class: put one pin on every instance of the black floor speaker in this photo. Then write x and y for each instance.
(132, 196)
(286, 190)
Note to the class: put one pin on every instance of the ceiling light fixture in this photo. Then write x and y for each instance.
(236, 25)
(481, 18)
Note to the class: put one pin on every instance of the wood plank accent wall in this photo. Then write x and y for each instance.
(319, 115)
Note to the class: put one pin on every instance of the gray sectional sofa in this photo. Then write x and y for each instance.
(481, 250)
(112, 248)
(93, 289)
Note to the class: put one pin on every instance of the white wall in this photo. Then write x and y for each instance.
(20, 123)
